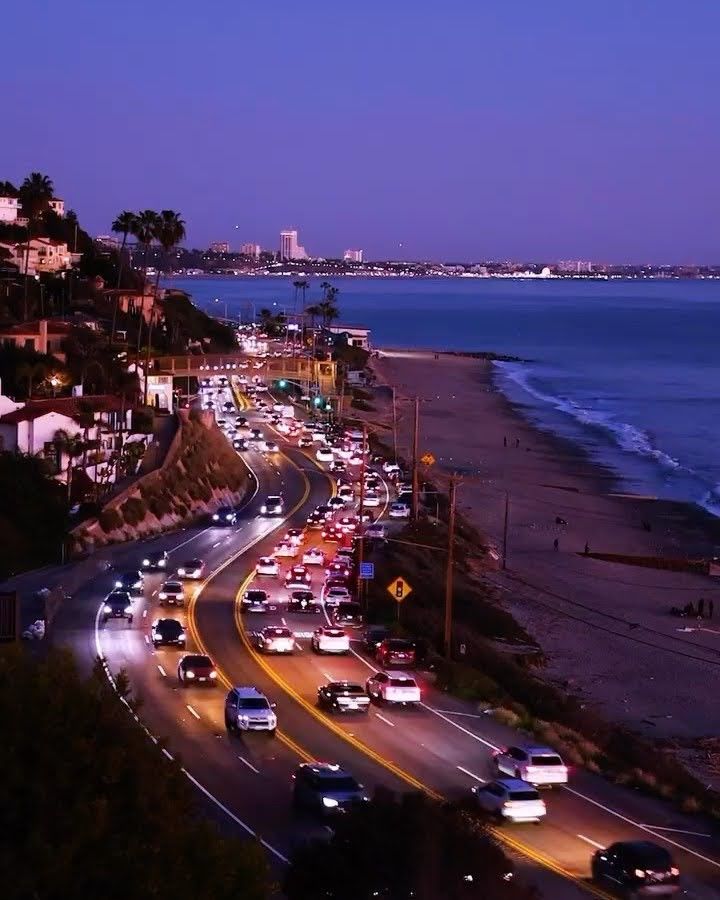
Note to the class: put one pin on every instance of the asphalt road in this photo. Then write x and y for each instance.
(444, 745)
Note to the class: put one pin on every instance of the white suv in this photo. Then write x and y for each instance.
(511, 799)
(246, 709)
(531, 763)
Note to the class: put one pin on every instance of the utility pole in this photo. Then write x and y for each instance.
(394, 420)
(361, 524)
(449, 570)
(415, 484)
(505, 530)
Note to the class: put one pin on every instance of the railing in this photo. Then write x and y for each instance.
(273, 368)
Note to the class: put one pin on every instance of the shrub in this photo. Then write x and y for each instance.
(110, 519)
(507, 717)
(160, 506)
(134, 510)
(143, 420)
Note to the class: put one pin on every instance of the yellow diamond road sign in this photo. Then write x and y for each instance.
(399, 589)
(427, 459)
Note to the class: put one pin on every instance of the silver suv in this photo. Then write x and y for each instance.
(247, 709)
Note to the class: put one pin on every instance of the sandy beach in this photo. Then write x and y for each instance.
(604, 627)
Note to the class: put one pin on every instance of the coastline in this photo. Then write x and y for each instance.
(602, 626)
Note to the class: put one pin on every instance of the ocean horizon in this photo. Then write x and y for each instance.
(628, 370)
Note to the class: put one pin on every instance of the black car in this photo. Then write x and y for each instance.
(374, 636)
(303, 602)
(325, 788)
(226, 515)
(315, 520)
(636, 869)
(254, 600)
(347, 613)
(168, 632)
(240, 444)
(158, 559)
(196, 669)
(118, 605)
(131, 581)
(343, 696)
(241, 421)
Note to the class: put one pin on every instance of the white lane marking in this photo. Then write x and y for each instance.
(646, 828)
(168, 754)
(472, 774)
(190, 709)
(466, 731)
(147, 639)
(452, 712)
(328, 676)
(678, 831)
(591, 842)
(284, 622)
(216, 544)
(144, 615)
(162, 671)
(235, 819)
(249, 765)
(193, 538)
(383, 719)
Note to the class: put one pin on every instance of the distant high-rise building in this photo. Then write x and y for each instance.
(252, 250)
(289, 247)
(353, 256)
(220, 247)
(575, 266)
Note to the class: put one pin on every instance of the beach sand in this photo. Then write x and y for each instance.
(605, 628)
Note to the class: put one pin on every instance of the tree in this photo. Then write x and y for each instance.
(328, 306)
(271, 323)
(97, 810)
(403, 848)
(124, 224)
(144, 229)
(32, 372)
(72, 446)
(35, 194)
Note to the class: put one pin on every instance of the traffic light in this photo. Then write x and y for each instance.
(282, 383)
(317, 401)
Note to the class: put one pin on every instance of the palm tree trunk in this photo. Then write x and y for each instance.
(122, 258)
(25, 275)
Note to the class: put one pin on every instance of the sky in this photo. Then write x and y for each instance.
(461, 130)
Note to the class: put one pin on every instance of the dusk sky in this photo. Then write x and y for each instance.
(469, 129)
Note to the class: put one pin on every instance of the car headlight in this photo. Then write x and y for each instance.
(190, 674)
(107, 609)
(146, 562)
(213, 674)
(181, 636)
(243, 720)
(639, 873)
(181, 571)
(216, 517)
(263, 509)
(272, 720)
(128, 610)
(118, 584)
(329, 802)
(162, 562)
(162, 595)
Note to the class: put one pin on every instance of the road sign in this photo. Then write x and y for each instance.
(427, 459)
(367, 570)
(399, 589)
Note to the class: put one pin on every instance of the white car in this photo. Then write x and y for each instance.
(171, 592)
(324, 454)
(376, 531)
(286, 549)
(266, 565)
(271, 447)
(389, 467)
(511, 799)
(273, 506)
(334, 595)
(336, 503)
(393, 687)
(318, 435)
(532, 763)
(344, 452)
(371, 499)
(314, 556)
(295, 536)
(399, 511)
(355, 460)
(346, 493)
(275, 639)
(330, 640)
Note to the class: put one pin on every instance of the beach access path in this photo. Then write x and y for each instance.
(605, 627)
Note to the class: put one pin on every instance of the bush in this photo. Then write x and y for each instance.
(110, 520)
(160, 506)
(143, 420)
(134, 510)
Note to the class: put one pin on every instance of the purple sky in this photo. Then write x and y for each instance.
(467, 129)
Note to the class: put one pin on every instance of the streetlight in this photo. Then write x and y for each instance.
(55, 384)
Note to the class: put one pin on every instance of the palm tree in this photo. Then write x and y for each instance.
(30, 372)
(325, 286)
(169, 231)
(72, 446)
(314, 312)
(144, 229)
(328, 307)
(123, 225)
(35, 194)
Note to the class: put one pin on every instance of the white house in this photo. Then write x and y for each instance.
(43, 255)
(357, 335)
(58, 206)
(41, 335)
(9, 209)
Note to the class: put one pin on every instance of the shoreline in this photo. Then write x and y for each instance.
(604, 627)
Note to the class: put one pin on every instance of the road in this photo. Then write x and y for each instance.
(443, 746)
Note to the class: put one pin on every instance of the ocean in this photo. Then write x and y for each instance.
(629, 370)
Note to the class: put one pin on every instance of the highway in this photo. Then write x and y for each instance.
(443, 746)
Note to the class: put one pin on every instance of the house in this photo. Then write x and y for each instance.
(41, 255)
(42, 336)
(58, 207)
(357, 335)
(134, 302)
(9, 208)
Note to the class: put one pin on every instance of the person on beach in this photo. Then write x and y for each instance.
(556, 544)
(587, 548)
(517, 442)
(505, 442)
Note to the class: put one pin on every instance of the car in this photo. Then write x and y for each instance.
(168, 632)
(285, 548)
(336, 594)
(637, 869)
(535, 764)
(395, 652)
(347, 524)
(397, 687)
(221, 422)
(131, 581)
(325, 789)
(315, 521)
(196, 668)
(318, 435)
(297, 577)
(324, 454)
(337, 465)
(118, 605)
(510, 799)
(191, 569)
(373, 636)
(240, 444)
(376, 531)
(336, 503)
(405, 497)
(313, 556)
(296, 536)
(389, 467)
(273, 506)
(347, 613)
(228, 406)
(158, 559)
(225, 515)
(240, 421)
(344, 452)
(304, 442)
(247, 709)
(338, 568)
(271, 447)
(254, 600)
(256, 434)
(399, 510)
(266, 565)
(345, 553)
(346, 493)
(303, 601)
(331, 533)
(171, 592)
(355, 460)
(370, 499)
(327, 639)
(343, 696)
(275, 639)
(324, 510)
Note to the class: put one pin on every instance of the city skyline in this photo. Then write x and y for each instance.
(575, 134)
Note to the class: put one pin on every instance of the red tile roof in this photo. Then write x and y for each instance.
(54, 326)
(73, 407)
